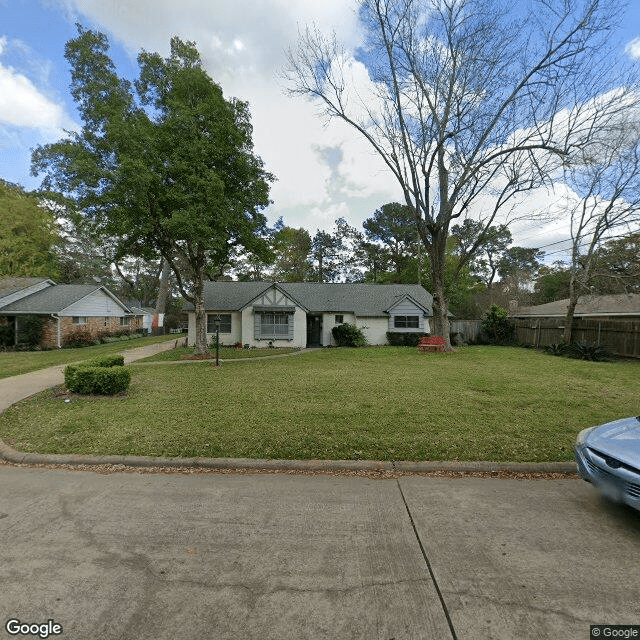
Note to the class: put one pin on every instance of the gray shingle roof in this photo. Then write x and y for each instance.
(13, 285)
(623, 303)
(361, 299)
(52, 299)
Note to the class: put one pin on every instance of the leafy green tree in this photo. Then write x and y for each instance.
(28, 234)
(83, 253)
(496, 326)
(617, 267)
(348, 240)
(393, 225)
(169, 168)
(552, 283)
(519, 266)
(292, 248)
(374, 260)
(325, 249)
(487, 245)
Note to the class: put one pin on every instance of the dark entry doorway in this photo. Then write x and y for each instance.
(314, 331)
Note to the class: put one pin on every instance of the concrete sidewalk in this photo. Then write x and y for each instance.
(274, 557)
(16, 388)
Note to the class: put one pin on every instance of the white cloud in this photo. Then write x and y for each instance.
(23, 105)
(633, 48)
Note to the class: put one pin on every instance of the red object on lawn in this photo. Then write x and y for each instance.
(431, 343)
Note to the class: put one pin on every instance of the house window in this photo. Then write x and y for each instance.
(125, 321)
(274, 324)
(339, 319)
(79, 319)
(225, 322)
(406, 322)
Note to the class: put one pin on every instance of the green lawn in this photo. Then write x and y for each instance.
(13, 363)
(387, 403)
(225, 353)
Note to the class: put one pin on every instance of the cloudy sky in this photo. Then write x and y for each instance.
(323, 172)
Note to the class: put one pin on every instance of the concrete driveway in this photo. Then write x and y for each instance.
(215, 556)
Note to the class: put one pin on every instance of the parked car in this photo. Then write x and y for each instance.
(608, 456)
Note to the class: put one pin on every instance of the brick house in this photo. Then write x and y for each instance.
(65, 309)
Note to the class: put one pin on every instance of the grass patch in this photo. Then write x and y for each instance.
(225, 353)
(13, 363)
(387, 403)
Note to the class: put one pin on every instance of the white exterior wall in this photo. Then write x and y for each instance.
(242, 330)
(226, 339)
(96, 304)
(299, 330)
(329, 321)
(374, 328)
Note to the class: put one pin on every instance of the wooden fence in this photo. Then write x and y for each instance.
(621, 337)
(468, 329)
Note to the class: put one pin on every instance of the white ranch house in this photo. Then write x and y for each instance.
(301, 314)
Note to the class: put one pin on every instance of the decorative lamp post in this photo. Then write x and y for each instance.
(217, 323)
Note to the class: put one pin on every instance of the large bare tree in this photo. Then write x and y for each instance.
(469, 103)
(605, 179)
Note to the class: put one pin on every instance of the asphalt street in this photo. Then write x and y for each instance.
(275, 556)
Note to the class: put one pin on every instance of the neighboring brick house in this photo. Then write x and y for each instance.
(65, 308)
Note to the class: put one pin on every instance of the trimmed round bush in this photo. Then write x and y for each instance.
(348, 335)
(114, 360)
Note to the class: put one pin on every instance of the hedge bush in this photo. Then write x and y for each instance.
(114, 360)
(348, 335)
(103, 376)
(410, 339)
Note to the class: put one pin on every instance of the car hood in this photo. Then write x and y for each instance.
(619, 439)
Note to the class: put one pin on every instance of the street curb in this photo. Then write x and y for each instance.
(18, 457)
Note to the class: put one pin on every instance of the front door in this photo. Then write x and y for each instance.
(314, 331)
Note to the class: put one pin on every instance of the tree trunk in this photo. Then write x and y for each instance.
(573, 301)
(201, 319)
(440, 306)
(163, 291)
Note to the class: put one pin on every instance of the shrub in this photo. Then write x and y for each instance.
(397, 339)
(588, 351)
(104, 380)
(30, 330)
(348, 335)
(7, 338)
(559, 349)
(114, 360)
(496, 326)
(108, 381)
(79, 338)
